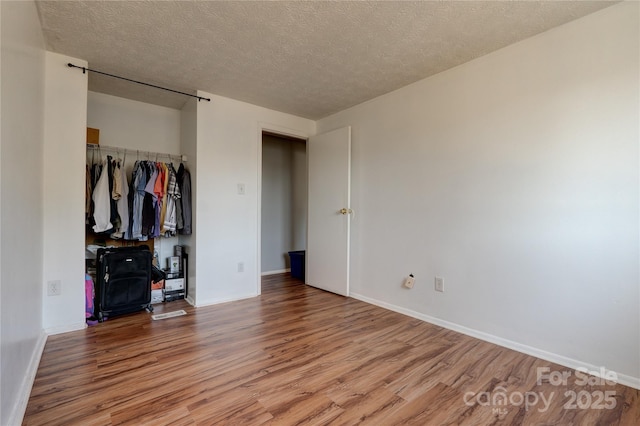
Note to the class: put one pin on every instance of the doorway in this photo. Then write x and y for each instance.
(284, 200)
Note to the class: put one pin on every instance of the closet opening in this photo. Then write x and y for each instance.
(138, 193)
(283, 213)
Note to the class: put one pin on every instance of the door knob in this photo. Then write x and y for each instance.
(345, 211)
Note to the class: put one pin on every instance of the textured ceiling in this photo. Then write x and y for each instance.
(310, 59)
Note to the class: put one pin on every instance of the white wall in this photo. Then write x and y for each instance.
(21, 189)
(228, 153)
(188, 143)
(137, 125)
(64, 193)
(514, 177)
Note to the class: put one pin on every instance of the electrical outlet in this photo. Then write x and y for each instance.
(240, 266)
(409, 281)
(440, 284)
(54, 288)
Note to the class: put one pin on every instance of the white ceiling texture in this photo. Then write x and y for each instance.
(307, 58)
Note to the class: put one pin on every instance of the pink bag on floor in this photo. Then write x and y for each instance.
(88, 298)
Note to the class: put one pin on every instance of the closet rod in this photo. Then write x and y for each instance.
(85, 69)
(183, 158)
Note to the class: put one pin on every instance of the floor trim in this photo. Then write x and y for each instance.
(20, 407)
(210, 302)
(633, 382)
(65, 328)
(279, 271)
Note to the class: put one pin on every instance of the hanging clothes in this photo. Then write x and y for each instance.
(102, 203)
(163, 204)
(179, 216)
(113, 209)
(158, 191)
(121, 191)
(95, 170)
(116, 192)
(87, 194)
(150, 202)
(132, 189)
(149, 205)
(140, 179)
(186, 203)
(173, 198)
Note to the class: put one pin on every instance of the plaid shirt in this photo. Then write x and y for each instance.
(172, 188)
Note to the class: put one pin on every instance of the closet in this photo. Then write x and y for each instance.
(139, 146)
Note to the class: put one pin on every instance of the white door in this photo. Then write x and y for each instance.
(327, 256)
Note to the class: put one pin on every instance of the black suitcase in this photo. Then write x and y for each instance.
(123, 282)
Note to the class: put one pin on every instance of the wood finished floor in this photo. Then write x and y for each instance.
(297, 355)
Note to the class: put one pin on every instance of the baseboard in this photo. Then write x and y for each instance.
(65, 328)
(633, 382)
(20, 407)
(200, 304)
(190, 301)
(279, 271)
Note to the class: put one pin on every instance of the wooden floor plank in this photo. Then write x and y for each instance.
(297, 355)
